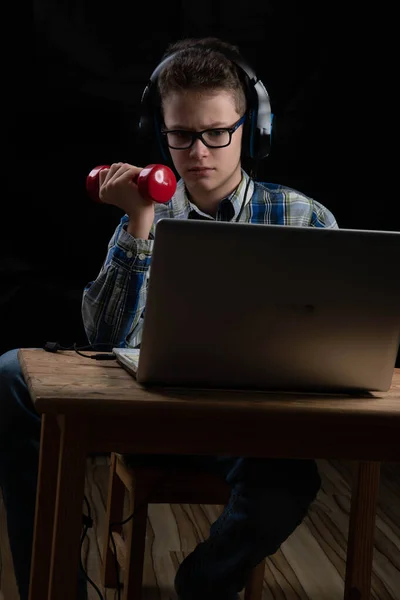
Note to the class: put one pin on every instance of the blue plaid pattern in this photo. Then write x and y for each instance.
(113, 304)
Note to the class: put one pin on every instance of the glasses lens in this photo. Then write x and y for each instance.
(216, 137)
(179, 139)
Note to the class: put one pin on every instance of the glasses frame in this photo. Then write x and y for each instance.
(198, 135)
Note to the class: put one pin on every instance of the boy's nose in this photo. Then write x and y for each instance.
(199, 149)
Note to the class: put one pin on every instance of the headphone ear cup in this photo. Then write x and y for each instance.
(256, 143)
(150, 122)
(161, 143)
(149, 126)
(255, 137)
(246, 136)
(145, 117)
(261, 126)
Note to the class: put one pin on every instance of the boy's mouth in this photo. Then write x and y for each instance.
(200, 169)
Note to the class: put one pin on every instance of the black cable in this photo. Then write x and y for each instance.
(251, 177)
(88, 507)
(104, 356)
(101, 597)
(116, 564)
(124, 522)
(111, 538)
(88, 523)
(55, 346)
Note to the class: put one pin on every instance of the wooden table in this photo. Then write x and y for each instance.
(91, 406)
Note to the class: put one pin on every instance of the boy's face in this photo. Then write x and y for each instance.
(210, 174)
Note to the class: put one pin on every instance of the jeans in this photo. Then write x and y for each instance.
(269, 499)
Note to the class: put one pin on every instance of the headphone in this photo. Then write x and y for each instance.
(258, 125)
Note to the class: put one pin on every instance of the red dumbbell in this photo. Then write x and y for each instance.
(154, 181)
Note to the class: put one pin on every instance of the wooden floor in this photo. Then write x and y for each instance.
(309, 565)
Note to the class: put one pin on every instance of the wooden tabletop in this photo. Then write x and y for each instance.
(327, 426)
(67, 382)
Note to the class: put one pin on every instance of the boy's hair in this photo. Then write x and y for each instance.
(202, 65)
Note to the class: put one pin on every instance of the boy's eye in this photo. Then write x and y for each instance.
(215, 132)
(183, 135)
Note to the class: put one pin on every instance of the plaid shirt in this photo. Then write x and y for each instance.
(113, 305)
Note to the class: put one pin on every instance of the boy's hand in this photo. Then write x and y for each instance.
(117, 186)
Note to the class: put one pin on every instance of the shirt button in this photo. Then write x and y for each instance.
(142, 256)
(129, 254)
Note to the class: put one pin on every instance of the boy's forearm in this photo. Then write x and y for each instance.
(139, 229)
(112, 305)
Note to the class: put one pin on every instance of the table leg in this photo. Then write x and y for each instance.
(360, 543)
(68, 511)
(44, 512)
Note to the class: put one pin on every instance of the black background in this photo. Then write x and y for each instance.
(74, 73)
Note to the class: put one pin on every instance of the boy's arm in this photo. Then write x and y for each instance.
(322, 217)
(286, 206)
(113, 304)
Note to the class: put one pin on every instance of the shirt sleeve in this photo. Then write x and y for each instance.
(322, 217)
(113, 304)
(301, 210)
(282, 205)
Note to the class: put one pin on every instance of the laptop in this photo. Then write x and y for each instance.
(269, 307)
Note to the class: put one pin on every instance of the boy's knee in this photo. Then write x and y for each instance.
(9, 366)
(10, 373)
(16, 408)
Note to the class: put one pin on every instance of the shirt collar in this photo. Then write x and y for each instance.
(236, 198)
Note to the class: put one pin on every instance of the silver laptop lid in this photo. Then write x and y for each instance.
(271, 307)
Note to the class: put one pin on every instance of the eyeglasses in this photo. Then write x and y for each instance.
(181, 139)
